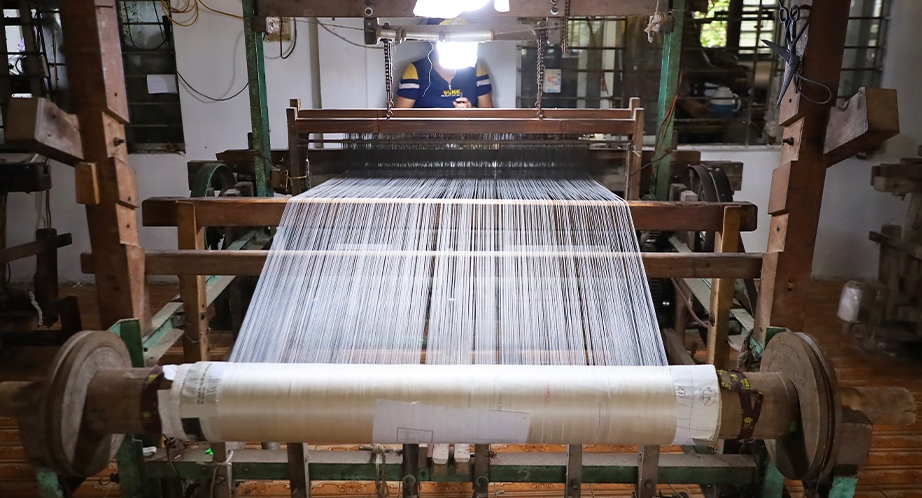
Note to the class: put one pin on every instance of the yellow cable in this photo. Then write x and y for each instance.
(190, 7)
(186, 7)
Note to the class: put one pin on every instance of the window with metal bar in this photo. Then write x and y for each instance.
(35, 66)
(150, 77)
(730, 80)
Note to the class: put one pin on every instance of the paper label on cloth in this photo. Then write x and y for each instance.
(199, 395)
(697, 395)
(415, 423)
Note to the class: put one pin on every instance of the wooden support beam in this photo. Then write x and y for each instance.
(471, 113)
(727, 242)
(296, 171)
(250, 212)
(250, 262)
(93, 49)
(404, 8)
(25, 177)
(39, 125)
(797, 185)
(191, 236)
(634, 163)
(861, 123)
(531, 125)
(34, 248)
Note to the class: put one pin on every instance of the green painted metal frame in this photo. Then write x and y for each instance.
(259, 108)
(843, 487)
(739, 470)
(668, 90)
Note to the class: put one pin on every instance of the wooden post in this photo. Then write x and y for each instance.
(296, 171)
(797, 185)
(727, 240)
(192, 287)
(45, 280)
(97, 84)
(634, 158)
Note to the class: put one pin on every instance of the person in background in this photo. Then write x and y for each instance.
(451, 76)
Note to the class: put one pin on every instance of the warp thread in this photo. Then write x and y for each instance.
(488, 265)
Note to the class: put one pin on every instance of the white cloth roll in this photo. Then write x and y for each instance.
(338, 403)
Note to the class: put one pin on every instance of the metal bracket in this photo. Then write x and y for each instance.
(481, 471)
(298, 470)
(647, 470)
(574, 471)
(410, 470)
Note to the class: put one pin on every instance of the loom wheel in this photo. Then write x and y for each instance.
(711, 184)
(809, 452)
(57, 435)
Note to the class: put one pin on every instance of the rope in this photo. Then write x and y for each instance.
(542, 40)
(389, 75)
(659, 22)
(381, 489)
(214, 474)
(41, 319)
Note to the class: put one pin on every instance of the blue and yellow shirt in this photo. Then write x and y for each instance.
(422, 83)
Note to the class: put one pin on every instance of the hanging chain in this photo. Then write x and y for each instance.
(565, 29)
(542, 40)
(389, 75)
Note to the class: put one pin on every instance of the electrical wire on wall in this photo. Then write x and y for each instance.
(328, 29)
(190, 8)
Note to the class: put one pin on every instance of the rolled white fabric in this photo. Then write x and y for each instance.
(339, 403)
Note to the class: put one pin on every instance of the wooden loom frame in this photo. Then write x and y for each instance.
(106, 186)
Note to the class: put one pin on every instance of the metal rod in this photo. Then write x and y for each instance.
(259, 108)
(669, 87)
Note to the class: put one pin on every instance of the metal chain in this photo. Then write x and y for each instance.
(542, 40)
(389, 75)
(565, 29)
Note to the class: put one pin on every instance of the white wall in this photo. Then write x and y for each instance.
(851, 208)
(210, 55)
(353, 76)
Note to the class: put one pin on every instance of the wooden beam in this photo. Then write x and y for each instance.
(249, 212)
(39, 125)
(92, 47)
(722, 294)
(634, 163)
(530, 125)
(191, 236)
(902, 178)
(657, 265)
(404, 8)
(797, 185)
(25, 177)
(34, 248)
(472, 113)
(860, 124)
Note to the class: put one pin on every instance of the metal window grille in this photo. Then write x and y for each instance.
(150, 77)
(730, 80)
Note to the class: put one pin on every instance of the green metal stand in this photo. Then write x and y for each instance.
(133, 479)
(259, 108)
(668, 89)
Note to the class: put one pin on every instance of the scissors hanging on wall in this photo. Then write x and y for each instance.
(789, 17)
